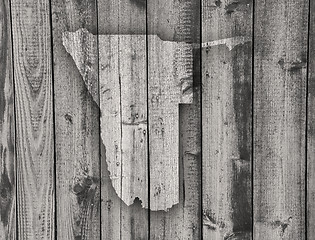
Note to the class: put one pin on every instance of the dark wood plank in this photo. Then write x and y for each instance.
(175, 22)
(227, 119)
(7, 129)
(76, 121)
(311, 128)
(281, 29)
(34, 119)
(123, 89)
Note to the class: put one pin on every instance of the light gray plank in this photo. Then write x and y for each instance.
(174, 32)
(124, 102)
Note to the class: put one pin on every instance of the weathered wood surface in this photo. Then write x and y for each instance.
(280, 62)
(183, 221)
(109, 110)
(227, 119)
(123, 89)
(169, 69)
(177, 22)
(123, 92)
(7, 129)
(170, 64)
(34, 119)
(110, 119)
(311, 128)
(76, 123)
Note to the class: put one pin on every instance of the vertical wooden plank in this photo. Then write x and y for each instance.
(170, 66)
(132, 58)
(310, 128)
(123, 89)
(227, 119)
(176, 24)
(163, 122)
(7, 129)
(134, 167)
(77, 122)
(34, 119)
(111, 136)
(124, 108)
(279, 119)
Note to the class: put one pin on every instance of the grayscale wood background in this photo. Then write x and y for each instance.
(234, 160)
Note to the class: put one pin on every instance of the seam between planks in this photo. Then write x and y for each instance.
(306, 117)
(15, 152)
(54, 115)
(99, 122)
(253, 113)
(121, 130)
(201, 113)
(148, 124)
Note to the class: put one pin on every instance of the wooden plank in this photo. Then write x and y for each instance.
(111, 132)
(132, 61)
(124, 107)
(134, 144)
(169, 72)
(279, 119)
(177, 25)
(34, 119)
(310, 129)
(227, 119)
(123, 87)
(164, 59)
(7, 129)
(182, 221)
(77, 122)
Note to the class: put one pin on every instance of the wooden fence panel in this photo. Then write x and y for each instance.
(157, 119)
(279, 118)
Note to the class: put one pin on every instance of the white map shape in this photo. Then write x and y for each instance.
(114, 69)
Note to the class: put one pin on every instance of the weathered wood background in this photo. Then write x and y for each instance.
(157, 119)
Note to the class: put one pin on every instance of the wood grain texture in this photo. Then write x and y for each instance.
(7, 129)
(134, 144)
(123, 88)
(83, 48)
(311, 129)
(76, 122)
(279, 119)
(165, 60)
(34, 119)
(124, 84)
(123, 108)
(183, 220)
(227, 119)
(170, 66)
(111, 208)
(178, 22)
